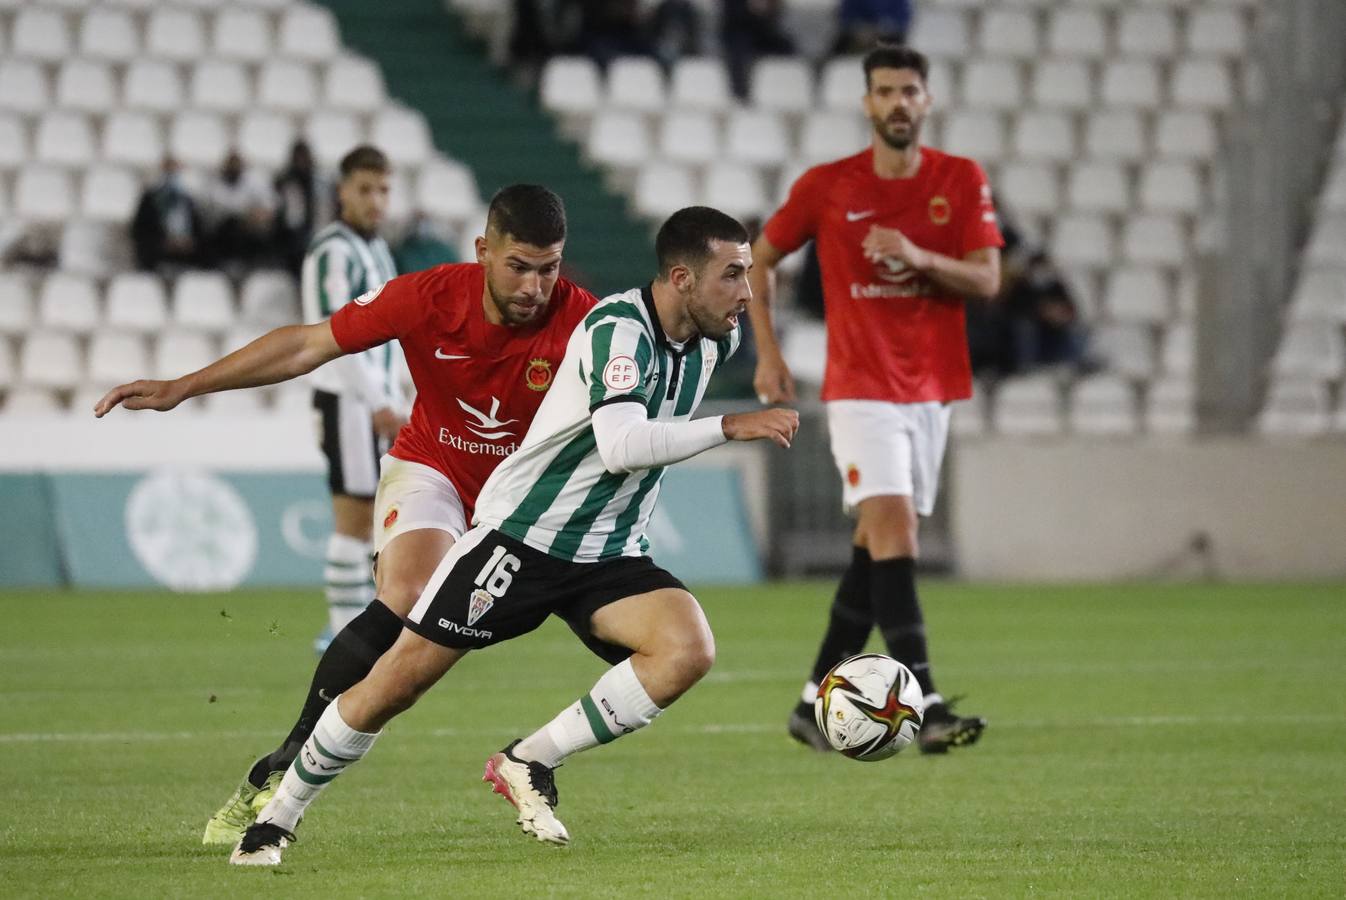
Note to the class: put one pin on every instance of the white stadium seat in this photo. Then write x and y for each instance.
(992, 84)
(1083, 240)
(309, 32)
(1202, 84)
(446, 190)
(1138, 294)
(571, 86)
(287, 85)
(1062, 84)
(1171, 187)
(619, 140)
(136, 301)
(18, 307)
(941, 33)
(1104, 404)
(43, 194)
(636, 83)
(1127, 348)
(1074, 32)
(203, 301)
(14, 150)
(832, 135)
(9, 370)
(220, 86)
(1216, 32)
(980, 135)
(1149, 32)
(109, 194)
(94, 248)
(1327, 244)
(175, 33)
(736, 189)
(699, 83)
(1178, 349)
(64, 139)
(87, 86)
(133, 139)
(1171, 406)
(39, 33)
(154, 85)
(662, 189)
(1320, 295)
(270, 297)
(1310, 350)
(31, 401)
(1333, 197)
(689, 137)
(789, 174)
(177, 353)
(782, 84)
(1098, 187)
(1185, 134)
(331, 135)
(1295, 407)
(354, 84)
(758, 137)
(1116, 135)
(968, 418)
(1130, 84)
(1154, 239)
(243, 34)
(108, 34)
(403, 135)
(68, 303)
(842, 84)
(50, 360)
(198, 139)
(1008, 32)
(1044, 135)
(1028, 406)
(1030, 188)
(117, 358)
(23, 86)
(265, 138)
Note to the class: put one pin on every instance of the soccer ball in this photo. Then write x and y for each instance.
(869, 707)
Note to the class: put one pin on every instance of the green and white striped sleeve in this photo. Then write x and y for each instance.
(617, 360)
(728, 345)
(336, 282)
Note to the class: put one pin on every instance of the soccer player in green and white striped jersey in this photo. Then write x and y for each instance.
(560, 531)
(358, 399)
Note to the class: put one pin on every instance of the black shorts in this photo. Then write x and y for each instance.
(491, 587)
(349, 444)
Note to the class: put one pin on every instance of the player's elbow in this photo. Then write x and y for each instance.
(987, 286)
(614, 457)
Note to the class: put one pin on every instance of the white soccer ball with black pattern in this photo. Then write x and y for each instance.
(869, 707)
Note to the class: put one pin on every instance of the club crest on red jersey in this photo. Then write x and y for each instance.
(940, 210)
(538, 376)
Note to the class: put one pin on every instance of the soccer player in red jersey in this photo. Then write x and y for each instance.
(904, 234)
(482, 341)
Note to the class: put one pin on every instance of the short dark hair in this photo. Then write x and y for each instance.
(364, 158)
(896, 57)
(686, 237)
(529, 213)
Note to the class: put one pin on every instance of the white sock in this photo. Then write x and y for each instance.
(931, 699)
(810, 693)
(332, 747)
(617, 705)
(349, 581)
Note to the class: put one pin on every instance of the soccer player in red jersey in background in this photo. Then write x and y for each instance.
(482, 341)
(904, 235)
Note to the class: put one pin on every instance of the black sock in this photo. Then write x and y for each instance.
(851, 616)
(348, 659)
(898, 614)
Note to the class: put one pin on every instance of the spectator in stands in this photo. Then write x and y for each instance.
(751, 29)
(167, 231)
(303, 202)
(863, 23)
(240, 214)
(609, 29)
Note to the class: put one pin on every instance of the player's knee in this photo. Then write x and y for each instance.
(400, 593)
(697, 656)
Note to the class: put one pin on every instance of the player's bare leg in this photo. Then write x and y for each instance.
(672, 649)
(344, 734)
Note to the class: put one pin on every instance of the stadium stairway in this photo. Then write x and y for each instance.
(432, 63)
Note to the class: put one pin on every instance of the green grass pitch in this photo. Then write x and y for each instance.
(1143, 741)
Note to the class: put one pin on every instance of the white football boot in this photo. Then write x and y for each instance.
(261, 845)
(531, 787)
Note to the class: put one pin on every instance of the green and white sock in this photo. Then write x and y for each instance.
(327, 753)
(617, 705)
(349, 582)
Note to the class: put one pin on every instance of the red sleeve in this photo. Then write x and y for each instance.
(384, 313)
(979, 228)
(797, 221)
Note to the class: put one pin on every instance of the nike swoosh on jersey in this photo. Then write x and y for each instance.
(857, 216)
(440, 354)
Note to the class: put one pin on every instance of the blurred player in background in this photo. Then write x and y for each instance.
(483, 342)
(904, 234)
(357, 398)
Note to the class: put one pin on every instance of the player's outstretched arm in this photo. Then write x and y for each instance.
(775, 425)
(276, 356)
(772, 381)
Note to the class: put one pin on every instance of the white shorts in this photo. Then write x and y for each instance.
(413, 496)
(888, 449)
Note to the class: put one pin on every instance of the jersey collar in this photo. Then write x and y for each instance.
(647, 295)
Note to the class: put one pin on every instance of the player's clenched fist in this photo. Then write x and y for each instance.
(778, 425)
(159, 395)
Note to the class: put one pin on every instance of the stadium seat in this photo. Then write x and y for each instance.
(220, 86)
(758, 137)
(400, 197)
(109, 194)
(133, 139)
(980, 135)
(31, 401)
(291, 399)
(1185, 134)
(94, 248)
(1083, 240)
(968, 418)
(242, 34)
(1062, 84)
(245, 403)
(636, 83)
(1154, 239)
(1044, 135)
(941, 33)
(992, 84)
(1104, 405)
(1098, 187)
(1170, 406)
(571, 86)
(1327, 245)
(1178, 351)
(50, 360)
(64, 139)
(136, 301)
(1115, 135)
(203, 301)
(198, 139)
(42, 34)
(331, 135)
(14, 150)
(789, 174)
(1320, 295)
(86, 86)
(309, 32)
(1008, 32)
(43, 194)
(1147, 32)
(687, 136)
(179, 352)
(446, 190)
(1310, 350)
(108, 34)
(1077, 32)
(942, 81)
(115, 358)
(735, 189)
(699, 83)
(1128, 349)
(265, 138)
(1333, 196)
(1130, 84)
(1171, 187)
(153, 85)
(619, 140)
(1030, 405)
(18, 309)
(23, 86)
(270, 297)
(842, 84)
(287, 85)
(782, 84)
(1138, 294)
(1202, 84)
(1216, 32)
(354, 85)
(9, 370)
(68, 303)
(1295, 407)
(240, 336)
(662, 189)
(403, 135)
(175, 33)
(1029, 187)
(832, 135)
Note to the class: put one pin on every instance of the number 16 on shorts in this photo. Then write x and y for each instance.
(492, 581)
